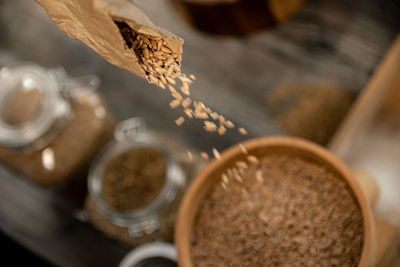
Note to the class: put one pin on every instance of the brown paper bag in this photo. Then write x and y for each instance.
(94, 23)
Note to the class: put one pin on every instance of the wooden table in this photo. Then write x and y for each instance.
(328, 41)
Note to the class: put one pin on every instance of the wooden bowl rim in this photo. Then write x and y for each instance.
(183, 229)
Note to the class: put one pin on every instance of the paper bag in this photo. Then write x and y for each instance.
(94, 22)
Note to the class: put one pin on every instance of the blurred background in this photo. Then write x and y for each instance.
(270, 72)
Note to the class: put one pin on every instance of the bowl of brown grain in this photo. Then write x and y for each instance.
(275, 201)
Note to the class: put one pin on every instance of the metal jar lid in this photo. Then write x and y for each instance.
(30, 104)
(159, 254)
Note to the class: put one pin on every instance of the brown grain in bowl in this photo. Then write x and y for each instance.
(288, 211)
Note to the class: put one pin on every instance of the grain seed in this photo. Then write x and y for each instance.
(210, 126)
(166, 50)
(221, 130)
(252, 159)
(229, 124)
(190, 155)
(243, 149)
(237, 176)
(185, 89)
(146, 53)
(214, 115)
(184, 79)
(242, 131)
(175, 103)
(176, 95)
(204, 155)
(241, 164)
(259, 175)
(188, 112)
(216, 154)
(171, 88)
(225, 178)
(179, 121)
(186, 102)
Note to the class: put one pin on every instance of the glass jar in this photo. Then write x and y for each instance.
(51, 126)
(154, 219)
(235, 17)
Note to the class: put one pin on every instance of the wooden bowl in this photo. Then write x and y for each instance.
(260, 147)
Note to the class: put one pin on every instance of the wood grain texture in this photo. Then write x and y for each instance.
(338, 42)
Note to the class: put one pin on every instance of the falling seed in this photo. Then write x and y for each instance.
(224, 186)
(185, 79)
(171, 88)
(164, 81)
(221, 119)
(252, 159)
(210, 126)
(200, 115)
(259, 175)
(170, 80)
(179, 121)
(216, 154)
(229, 124)
(175, 103)
(244, 150)
(160, 83)
(204, 155)
(185, 89)
(186, 102)
(221, 130)
(242, 131)
(190, 155)
(214, 115)
(225, 178)
(176, 95)
(188, 112)
(237, 176)
(241, 164)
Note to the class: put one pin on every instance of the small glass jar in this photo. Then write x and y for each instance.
(51, 126)
(155, 220)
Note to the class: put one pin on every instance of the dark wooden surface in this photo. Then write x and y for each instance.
(337, 42)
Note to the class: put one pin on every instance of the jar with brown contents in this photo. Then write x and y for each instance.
(135, 187)
(51, 125)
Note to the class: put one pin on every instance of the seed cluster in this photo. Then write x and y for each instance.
(163, 69)
(282, 211)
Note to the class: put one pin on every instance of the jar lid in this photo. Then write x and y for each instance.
(159, 254)
(29, 104)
